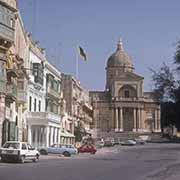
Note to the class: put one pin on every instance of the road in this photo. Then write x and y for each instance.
(148, 162)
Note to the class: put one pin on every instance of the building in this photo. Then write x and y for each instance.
(20, 53)
(44, 99)
(35, 113)
(54, 109)
(78, 105)
(123, 106)
(8, 118)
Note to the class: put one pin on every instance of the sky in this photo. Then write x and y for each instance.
(149, 30)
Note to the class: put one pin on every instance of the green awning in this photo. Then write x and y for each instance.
(65, 133)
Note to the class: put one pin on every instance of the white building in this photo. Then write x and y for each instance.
(43, 113)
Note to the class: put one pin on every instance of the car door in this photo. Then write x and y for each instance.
(24, 150)
(60, 149)
(53, 149)
(31, 151)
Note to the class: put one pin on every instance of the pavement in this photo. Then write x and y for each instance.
(143, 162)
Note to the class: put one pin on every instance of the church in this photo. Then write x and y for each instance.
(123, 107)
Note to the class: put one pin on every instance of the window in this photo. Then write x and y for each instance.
(30, 103)
(12, 23)
(35, 103)
(55, 85)
(126, 93)
(24, 146)
(30, 147)
(38, 73)
(39, 105)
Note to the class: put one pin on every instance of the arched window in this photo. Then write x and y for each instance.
(127, 91)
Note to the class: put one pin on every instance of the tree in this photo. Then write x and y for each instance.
(164, 83)
(166, 87)
(79, 132)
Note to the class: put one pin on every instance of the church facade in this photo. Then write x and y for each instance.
(123, 106)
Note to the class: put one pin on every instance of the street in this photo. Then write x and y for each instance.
(148, 162)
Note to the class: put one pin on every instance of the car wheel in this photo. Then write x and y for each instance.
(66, 154)
(22, 159)
(43, 152)
(36, 158)
(3, 159)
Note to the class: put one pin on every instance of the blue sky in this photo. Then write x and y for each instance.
(149, 30)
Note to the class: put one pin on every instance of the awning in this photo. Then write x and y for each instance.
(65, 133)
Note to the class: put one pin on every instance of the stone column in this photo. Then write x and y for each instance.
(36, 136)
(159, 120)
(2, 116)
(51, 135)
(121, 119)
(155, 120)
(55, 135)
(47, 136)
(29, 135)
(117, 121)
(143, 120)
(139, 119)
(113, 123)
(58, 135)
(135, 120)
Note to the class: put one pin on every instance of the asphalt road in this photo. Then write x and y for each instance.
(148, 162)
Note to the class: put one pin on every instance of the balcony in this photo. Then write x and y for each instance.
(43, 118)
(2, 85)
(22, 96)
(8, 113)
(6, 33)
(129, 99)
(11, 92)
(53, 93)
(87, 119)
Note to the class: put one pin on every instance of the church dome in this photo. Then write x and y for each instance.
(120, 58)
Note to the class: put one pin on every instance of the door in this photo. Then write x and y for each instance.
(24, 150)
(128, 119)
(31, 151)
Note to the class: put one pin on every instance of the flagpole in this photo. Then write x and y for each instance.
(77, 73)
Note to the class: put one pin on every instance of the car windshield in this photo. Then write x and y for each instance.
(11, 145)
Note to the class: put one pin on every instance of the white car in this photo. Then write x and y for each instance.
(18, 151)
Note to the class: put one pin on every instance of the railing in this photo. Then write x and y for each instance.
(127, 99)
(21, 96)
(53, 92)
(44, 117)
(6, 32)
(11, 90)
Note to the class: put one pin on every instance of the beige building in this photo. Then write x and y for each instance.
(123, 106)
(77, 102)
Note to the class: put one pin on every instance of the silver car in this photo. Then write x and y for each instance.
(66, 150)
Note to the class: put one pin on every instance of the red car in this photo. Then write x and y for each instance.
(87, 149)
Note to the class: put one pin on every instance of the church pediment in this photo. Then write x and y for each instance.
(130, 76)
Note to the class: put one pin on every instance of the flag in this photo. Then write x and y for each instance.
(82, 53)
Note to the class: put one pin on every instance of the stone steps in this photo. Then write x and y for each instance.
(129, 135)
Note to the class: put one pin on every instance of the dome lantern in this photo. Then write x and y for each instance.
(120, 59)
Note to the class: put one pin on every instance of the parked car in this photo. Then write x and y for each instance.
(139, 141)
(18, 151)
(100, 143)
(128, 143)
(87, 148)
(117, 141)
(109, 142)
(66, 150)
